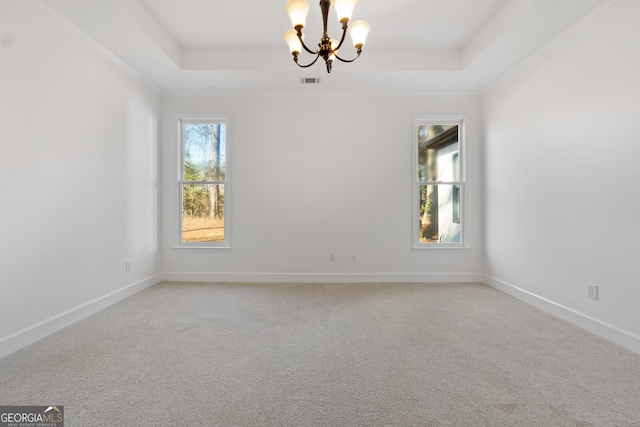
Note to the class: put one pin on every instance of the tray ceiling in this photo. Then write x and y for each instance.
(414, 45)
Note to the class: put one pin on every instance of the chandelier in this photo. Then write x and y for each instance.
(328, 47)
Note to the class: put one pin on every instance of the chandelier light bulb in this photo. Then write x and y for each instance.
(359, 31)
(291, 37)
(344, 8)
(297, 11)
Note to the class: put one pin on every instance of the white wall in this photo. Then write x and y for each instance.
(562, 150)
(78, 177)
(313, 174)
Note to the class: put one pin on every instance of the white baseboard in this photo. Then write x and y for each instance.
(33, 333)
(325, 277)
(612, 333)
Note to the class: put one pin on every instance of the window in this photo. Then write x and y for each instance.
(203, 183)
(439, 185)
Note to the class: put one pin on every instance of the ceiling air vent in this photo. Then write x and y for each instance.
(309, 80)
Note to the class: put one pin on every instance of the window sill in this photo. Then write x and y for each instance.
(203, 248)
(441, 248)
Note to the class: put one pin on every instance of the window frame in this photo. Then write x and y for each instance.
(204, 118)
(460, 121)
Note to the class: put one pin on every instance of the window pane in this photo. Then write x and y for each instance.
(437, 146)
(202, 213)
(439, 213)
(204, 151)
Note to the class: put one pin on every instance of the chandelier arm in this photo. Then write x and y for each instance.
(344, 34)
(295, 58)
(302, 42)
(350, 60)
(312, 52)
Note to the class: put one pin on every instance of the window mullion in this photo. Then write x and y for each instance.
(203, 182)
(440, 182)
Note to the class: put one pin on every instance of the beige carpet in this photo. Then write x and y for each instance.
(184, 354)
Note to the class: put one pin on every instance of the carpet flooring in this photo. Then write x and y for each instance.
(193, 354)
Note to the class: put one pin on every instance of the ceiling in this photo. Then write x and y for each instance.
(414, 45)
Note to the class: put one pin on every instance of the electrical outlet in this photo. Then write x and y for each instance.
(353, 258)
(127, 266)
(332, 257)
(592, 291)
